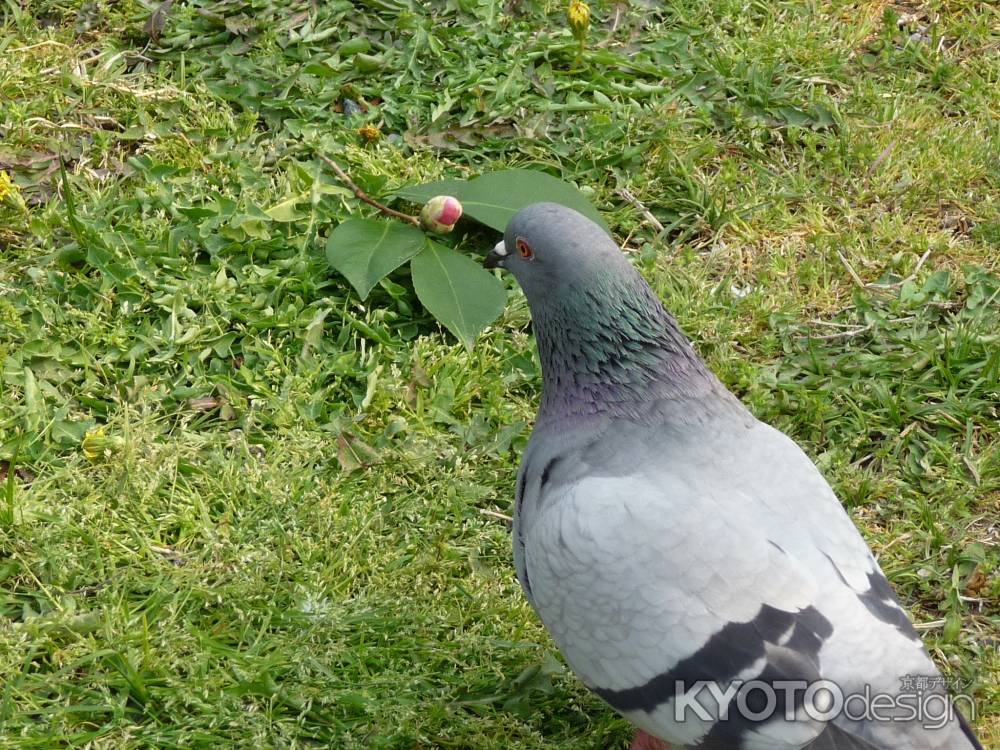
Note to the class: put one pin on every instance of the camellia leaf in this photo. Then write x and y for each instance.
(457, 291)
(494, 197)
(367, 250)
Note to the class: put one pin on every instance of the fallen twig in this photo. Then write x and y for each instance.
(840, 334)
(363, 196)
(494, 514)
(879, 159)
(646, 213)
(46, 43)
(617, 18)
(851, 271)
(896, 284)
(884, 287)
(833, 324)
(851, 330)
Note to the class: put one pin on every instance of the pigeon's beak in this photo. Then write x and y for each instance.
(496, 256)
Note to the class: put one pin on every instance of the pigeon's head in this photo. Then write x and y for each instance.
(605, 341)
(550, 248)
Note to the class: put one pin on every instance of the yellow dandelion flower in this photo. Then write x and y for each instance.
(7, 187)
(98, 445)
(578, 15)
(369, 132)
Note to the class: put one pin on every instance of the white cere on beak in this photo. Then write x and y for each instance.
(500, 249)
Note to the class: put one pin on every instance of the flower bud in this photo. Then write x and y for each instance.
(97, 444)
(440, 213)
(578, 15)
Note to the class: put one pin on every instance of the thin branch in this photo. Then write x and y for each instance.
(839, 335)
(833, 324)
(879, 159)
(646, 213)
(916, 270)
(91, 589)
(853, 331)
(165, 93)
(363, 196)
(851, 271)
(885, 288)
(617, 19)
(901, 538)
(911, 277)
(494, 514)
(46, 43)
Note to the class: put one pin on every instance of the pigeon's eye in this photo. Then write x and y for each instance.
(523, 249)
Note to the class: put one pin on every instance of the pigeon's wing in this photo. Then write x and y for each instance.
(836, 738)
(651, 605)
(672, 568)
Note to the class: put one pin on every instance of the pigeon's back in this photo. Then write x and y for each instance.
(709, 550)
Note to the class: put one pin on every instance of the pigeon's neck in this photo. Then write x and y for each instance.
(613, 350)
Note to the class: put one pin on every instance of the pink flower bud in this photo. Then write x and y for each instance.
(440, 214)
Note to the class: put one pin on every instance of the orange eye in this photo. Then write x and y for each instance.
(523, 249)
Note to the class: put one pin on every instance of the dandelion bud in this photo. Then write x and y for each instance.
(578, 15)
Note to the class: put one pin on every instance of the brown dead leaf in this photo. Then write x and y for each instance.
(36, 172)
(418, 380)
(211, 403)
(957, 222)
(172, 555)
(976, 582)
(296, 21)
(420, 376)
(25, 475)
(27, 159)
(204, 403)
(456, 138)
(240, 25)
(158, 20)
(353, 453)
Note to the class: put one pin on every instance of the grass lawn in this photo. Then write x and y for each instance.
(239, 507)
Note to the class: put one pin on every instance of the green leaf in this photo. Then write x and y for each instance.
(287, 210)
(457, 291)
(952, 627)
(494, 197)
(366, 250)
(69, 433)
(33, 402)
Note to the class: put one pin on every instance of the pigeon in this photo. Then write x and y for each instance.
(691, 563)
